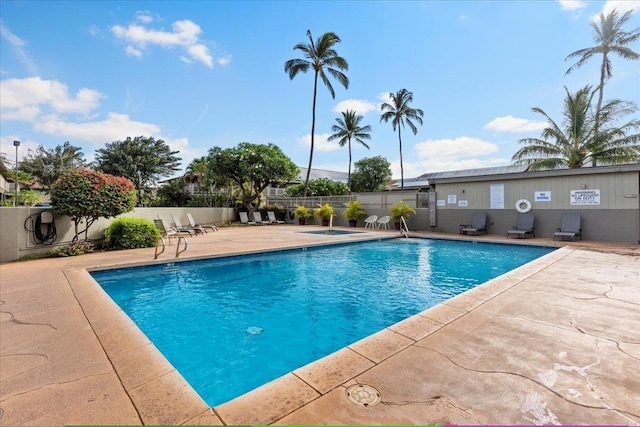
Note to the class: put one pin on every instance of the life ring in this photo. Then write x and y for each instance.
(520, 208)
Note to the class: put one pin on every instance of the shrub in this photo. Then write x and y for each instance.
(86, 195)
(73, 249)
(318, 187)
(130, 233)
(325, 211)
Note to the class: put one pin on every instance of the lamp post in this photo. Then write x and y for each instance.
(15, 200)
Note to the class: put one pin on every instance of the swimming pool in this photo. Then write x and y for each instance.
(231, 324)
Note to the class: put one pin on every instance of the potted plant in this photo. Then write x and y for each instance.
(302, 213)
(324, 212)
(353, 211)
(400, 210)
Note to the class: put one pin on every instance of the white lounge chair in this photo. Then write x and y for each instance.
(371, 221)
(272, 218)
(383, 222)
(244, 219)
(166, 230)
(181, 227)
(192, 223)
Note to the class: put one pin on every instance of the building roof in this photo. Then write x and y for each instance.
(504, 172)
(323, 173)
(425, 180)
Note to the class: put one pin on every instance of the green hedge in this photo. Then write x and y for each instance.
(130, 233)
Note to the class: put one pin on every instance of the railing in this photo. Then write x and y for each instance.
(178, 251)
(163, 248)
(290, 202)
(404, 228)
(186, 245)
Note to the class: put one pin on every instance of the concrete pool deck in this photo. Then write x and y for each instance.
(556, 341)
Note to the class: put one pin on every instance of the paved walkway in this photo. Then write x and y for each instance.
(554, 342)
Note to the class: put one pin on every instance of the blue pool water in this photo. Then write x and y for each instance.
(229, 325)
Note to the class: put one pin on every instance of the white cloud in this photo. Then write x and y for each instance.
(514, 124)
(185, 34)
(9, 150)
(19, 46)
(385, 97)
(622, 6)
(460, 147)
(320, 142)
(25, 97)
(144, 16)
(572, 5)
(132, 51)
(360, 106)
(447, 154)
(224, 60)
(115, 127)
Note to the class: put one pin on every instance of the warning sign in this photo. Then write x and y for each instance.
(585, 197)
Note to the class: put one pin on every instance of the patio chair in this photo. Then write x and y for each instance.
(383, 222)
(371, 221)
(523, 227)
(478, 223)
(244, 219)
(166, 230)
(272, 218)
(569, 227)
(257, 217)
(181, 227)
(193, 224)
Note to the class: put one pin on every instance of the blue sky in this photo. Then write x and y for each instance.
(199, 74)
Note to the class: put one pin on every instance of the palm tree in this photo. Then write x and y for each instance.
(318, 56)
(349, 127)
(575, 144)
(610, 39)
(399, 112)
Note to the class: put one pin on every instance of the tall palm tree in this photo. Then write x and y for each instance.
(318, 56)
(610, 39)
(575, 144)
(348, 127)
(399, 112)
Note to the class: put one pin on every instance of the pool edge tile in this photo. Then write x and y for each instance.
(267, 403)
(333, 370)
(381, 345)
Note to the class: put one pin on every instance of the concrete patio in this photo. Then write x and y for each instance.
(556, 341)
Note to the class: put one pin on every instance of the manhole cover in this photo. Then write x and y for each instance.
(363, 395)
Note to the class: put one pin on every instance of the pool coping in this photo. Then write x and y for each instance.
(99, 368)
(148, 377)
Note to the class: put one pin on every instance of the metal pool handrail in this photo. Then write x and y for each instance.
(186, 245)
(404, 228)
(163, 247)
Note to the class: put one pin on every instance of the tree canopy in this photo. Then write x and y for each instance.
(47, 165)
(574, 143)
(318, 187)
(252, 167)
(370, 174)
(318, 56)
(347, 128)
(611, 39)
(142, 160)
(400, 113)
(86, 195)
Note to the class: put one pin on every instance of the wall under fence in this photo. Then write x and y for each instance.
(18, 236)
